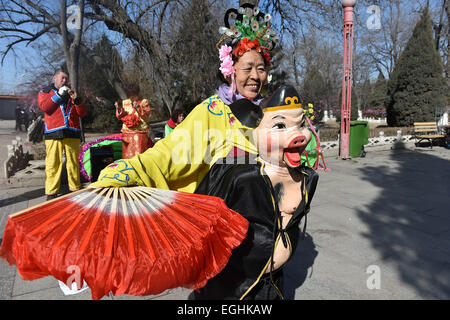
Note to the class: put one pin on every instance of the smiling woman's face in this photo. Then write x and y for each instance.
(250, 74)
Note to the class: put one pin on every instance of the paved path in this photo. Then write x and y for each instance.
(386, 214)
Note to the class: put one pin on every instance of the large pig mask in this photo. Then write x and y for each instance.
(282, 136)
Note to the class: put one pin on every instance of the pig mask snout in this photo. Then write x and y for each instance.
(298, 142)
(294, 149)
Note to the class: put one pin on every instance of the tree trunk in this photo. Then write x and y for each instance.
(75, 46)
(438, 28)
(65, 40)
(72, 48)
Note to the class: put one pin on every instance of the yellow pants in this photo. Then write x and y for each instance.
(54, 163)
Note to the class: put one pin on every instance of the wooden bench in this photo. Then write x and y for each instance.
(427, 131)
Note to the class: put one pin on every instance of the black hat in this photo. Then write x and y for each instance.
(285, 97)
(248, 113)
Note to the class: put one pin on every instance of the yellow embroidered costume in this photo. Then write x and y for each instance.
(181, 160)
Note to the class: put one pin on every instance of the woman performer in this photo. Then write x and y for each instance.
(134, 113)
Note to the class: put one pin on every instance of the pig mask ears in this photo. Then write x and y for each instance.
(284, 98)
(248, 113)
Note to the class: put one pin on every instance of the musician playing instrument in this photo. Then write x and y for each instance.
(62, 109)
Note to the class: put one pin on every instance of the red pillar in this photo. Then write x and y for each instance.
(344, 145)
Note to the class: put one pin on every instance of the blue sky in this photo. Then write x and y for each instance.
(13, 70)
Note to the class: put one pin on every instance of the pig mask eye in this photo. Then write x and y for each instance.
(279, 125)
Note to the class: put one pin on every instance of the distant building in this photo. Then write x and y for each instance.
(8, 106)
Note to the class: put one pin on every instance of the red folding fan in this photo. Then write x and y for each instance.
(134, 240)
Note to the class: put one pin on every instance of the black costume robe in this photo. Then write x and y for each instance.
(249, 191)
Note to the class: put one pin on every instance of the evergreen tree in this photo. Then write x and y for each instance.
(416, 86)
(315, 91)
(196, 58)
(99, 93)
(377, 96)
(277, 72)
(94, 77)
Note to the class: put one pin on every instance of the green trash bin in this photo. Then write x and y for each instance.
(359, 136)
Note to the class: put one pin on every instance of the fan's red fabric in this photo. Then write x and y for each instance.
(183, 244)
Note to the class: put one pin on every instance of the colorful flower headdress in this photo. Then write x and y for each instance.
(251, 30)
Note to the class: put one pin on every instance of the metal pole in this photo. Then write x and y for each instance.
(346, 103)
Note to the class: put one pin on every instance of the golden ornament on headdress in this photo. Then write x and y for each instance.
(291, 103)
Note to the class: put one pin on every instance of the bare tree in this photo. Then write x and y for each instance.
(385, 45)
(442, 36)
(71, 47)
(440, 25)
(447, 69)
(143, 23)
(27, 22)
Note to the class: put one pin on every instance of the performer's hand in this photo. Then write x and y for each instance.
(63, 90)
(72, 94)
(135, 105)
(75, 98)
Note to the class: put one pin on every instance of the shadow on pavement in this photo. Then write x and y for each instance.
(30, 195)
(33, 194)
(409, 222)
(296, 270)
